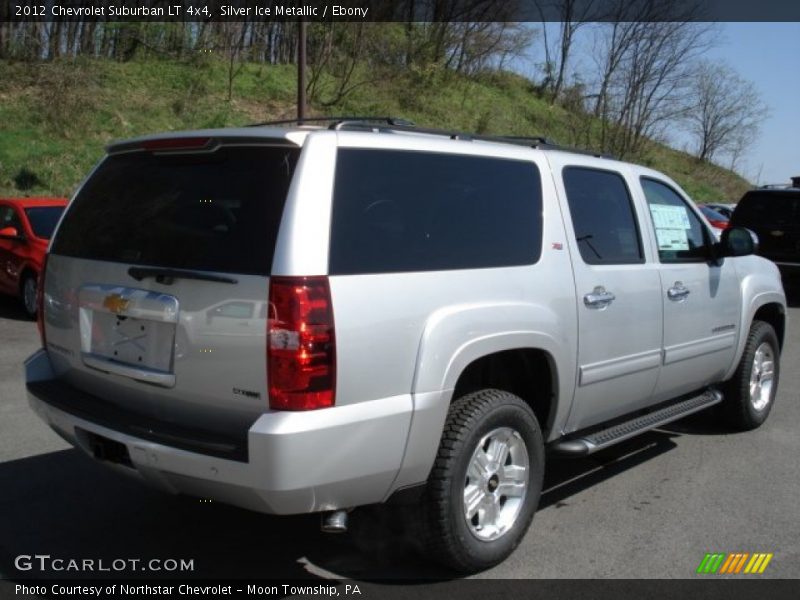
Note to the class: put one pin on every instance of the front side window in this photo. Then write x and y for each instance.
(9, 218)
(603, 217)
(680, 234)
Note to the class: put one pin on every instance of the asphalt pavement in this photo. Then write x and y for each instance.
(649, 508)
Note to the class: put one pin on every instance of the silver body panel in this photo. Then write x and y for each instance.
(402, 341)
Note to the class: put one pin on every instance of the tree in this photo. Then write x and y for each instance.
(652, 88)
(572, 15)
(727, 110)
(644, 57)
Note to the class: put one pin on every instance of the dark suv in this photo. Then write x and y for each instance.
(774, 214)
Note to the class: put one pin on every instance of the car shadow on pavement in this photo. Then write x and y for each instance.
(705, 422)
(566, 477)
(64, 505)
(11, 308)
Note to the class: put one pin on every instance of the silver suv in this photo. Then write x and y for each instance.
(312, 319)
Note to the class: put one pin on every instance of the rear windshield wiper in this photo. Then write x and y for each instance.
(167, 276)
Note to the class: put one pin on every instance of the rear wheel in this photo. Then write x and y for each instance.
(750, 393)
(28, 291)
(485, 484)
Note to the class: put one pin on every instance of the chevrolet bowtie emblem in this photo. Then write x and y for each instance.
(116, 303)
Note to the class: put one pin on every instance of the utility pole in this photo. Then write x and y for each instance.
(301, 72)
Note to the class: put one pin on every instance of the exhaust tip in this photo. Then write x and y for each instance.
(334, 521)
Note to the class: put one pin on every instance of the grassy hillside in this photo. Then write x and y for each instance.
(55, 118)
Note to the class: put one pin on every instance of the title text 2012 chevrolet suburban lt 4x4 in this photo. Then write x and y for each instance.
(311, 319)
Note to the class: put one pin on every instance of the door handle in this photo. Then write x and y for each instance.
(598, 298)
(678, 292)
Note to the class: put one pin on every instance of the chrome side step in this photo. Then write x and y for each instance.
(598, 440)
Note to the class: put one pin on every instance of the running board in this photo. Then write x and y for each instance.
(593, 442)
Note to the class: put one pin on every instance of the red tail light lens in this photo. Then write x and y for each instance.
(168, 144)
(40, 302)
(301, 347)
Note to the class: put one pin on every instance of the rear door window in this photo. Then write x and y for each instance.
(43, 219)
(218, 211)
(398, 211)
(603, 217)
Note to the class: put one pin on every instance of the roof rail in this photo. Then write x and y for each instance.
(396, 124)
(335, 121)
(531, 139)
(527, 141)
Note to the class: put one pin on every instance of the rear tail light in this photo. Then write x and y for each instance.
(40, 302)
(173, 144)
(301, 347)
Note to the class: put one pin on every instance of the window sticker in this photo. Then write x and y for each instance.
(669, 217)
(672, 239)
(671, 223)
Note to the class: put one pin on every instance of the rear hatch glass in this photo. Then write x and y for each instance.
(775, 217)
(209, 212)
(769, 209)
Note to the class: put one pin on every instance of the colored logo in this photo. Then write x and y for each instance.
(720, 563)
(116, 303)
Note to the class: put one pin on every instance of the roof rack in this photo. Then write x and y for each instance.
(336, 120)
(527, 141)
(396, 124)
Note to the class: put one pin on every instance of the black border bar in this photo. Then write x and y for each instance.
(398, 10)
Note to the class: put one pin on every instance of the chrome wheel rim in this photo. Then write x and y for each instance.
(496, 483)
(29, 295)
(762, 376)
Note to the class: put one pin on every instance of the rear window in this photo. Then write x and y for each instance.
(209, 212)
(399, 211)
(777, 208)
(43, 220)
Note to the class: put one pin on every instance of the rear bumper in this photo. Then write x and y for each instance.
(298, 462)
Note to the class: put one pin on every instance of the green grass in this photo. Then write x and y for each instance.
(56, 118)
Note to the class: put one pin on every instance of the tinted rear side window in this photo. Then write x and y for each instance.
(211, 212)
(397, 211)
(43, 219)
(776, 208)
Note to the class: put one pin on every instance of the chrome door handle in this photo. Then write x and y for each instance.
(678, 292)
(598, 298)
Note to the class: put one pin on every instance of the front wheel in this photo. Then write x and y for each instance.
(485, 483)
(750, 393)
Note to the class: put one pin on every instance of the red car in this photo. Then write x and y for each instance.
(26, 225)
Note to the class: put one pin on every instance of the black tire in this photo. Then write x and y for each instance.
(742, 409)
(447, 535)
(27, 286)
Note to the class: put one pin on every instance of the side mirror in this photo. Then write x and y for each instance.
(11, 233)
(738, 241)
